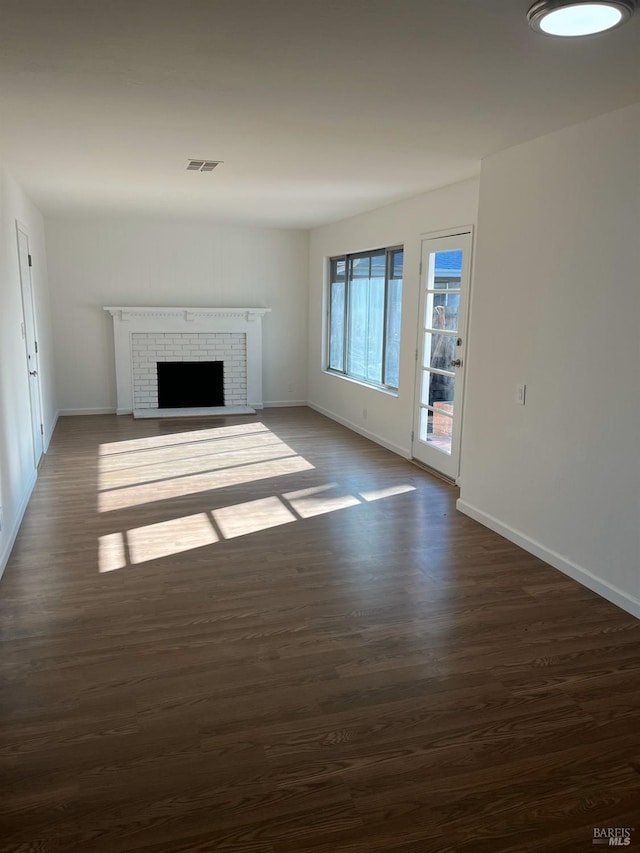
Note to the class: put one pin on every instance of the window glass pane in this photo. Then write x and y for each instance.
(445, 308)
(436, 429)
(365, 299)
(356, 356)
(448, 270)
(376, 328)
(439, 351)
(394, 316)
(337, 269)
(360, 267)
(426, 420)
(378, 263)
(397, 263)
(441, 430)
(336, 331)
(442, 310)
(366, 318)
(437, 390)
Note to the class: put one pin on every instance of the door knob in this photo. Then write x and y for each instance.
(457, 362)
(33, 373)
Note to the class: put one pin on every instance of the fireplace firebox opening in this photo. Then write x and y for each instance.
(190, 384)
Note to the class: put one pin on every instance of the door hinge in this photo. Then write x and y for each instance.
(36, 343)
(416, 355)
(30, 261)
(420, 269)
(41, 429)
(412, 435)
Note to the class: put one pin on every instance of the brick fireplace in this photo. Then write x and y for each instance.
(145, 338)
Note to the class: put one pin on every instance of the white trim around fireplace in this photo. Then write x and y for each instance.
(128, 320)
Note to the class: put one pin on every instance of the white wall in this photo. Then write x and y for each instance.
(17, 470)
(389, 418)
(556, 305)
(136, 261)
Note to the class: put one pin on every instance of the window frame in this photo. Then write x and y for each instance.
(348, 258)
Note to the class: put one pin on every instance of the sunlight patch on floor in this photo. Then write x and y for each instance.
(176, 438)
(111, 552)
(170, 537)
(159, 468)
(132, 473)
(169, 468)
(178, 535)
(131, 496)
(251, 517)
(146, 459)
(319, 500)
(378, 494)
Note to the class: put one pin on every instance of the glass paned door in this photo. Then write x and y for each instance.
(441, 338)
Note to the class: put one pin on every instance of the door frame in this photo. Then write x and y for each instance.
(28, 325)
(468, 232)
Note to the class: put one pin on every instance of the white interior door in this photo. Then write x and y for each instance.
(31, 343)
(441, 352)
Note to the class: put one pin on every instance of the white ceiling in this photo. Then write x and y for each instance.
(319, 108)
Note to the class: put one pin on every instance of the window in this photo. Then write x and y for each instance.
(365, 301)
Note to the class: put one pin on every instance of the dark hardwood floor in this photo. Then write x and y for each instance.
(267, 634)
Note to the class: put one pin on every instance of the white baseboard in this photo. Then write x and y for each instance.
(583, 576)
(8, 546)
(102, 411)
(283, 404)
(50, 431)
(372, 436)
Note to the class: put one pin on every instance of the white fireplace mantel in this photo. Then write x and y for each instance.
(128, 319)
(127, 314)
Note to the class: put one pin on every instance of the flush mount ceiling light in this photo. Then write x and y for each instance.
(567, 18)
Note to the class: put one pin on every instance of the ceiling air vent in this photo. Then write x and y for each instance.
(202, 165)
